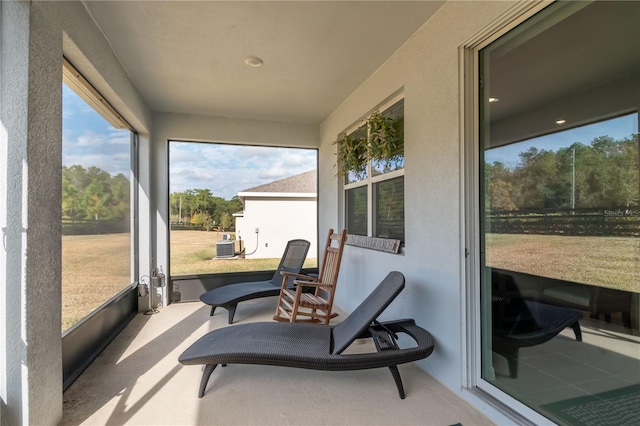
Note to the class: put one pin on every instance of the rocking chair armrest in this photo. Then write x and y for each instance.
(294, 275)
(304, 283)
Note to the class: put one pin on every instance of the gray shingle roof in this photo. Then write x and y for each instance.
(302, 183)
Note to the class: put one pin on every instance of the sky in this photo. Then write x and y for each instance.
(89, 140)
(618, 128)
(229, 169)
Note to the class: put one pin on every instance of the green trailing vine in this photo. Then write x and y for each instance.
(352, 153)
(382, 137)
(355, 149)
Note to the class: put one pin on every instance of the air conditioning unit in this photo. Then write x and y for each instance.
(225, 248)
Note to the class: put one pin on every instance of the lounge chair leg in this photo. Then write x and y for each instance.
(232, 312)
(213, 309)
(511, 355)
(385, 346)
(208, 369)
(396, 377)
(577, 331)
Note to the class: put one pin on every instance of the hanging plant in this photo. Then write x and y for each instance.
(356, 149)
(383, 139)
(352, 153)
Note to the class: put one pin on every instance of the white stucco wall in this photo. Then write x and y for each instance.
(14, 87)
(34, 37)
(427, 67)
(278, 220)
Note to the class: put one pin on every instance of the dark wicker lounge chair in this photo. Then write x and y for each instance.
(229, 296)
(316, 346)
(519, 323)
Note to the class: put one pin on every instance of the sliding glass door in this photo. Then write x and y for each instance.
(559, 213)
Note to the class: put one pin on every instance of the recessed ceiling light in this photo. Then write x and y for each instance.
(253, 61)
(561, 121)
(492, 100)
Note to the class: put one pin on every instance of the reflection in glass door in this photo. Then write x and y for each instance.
(560, 215)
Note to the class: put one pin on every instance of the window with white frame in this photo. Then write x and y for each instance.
(374, 190)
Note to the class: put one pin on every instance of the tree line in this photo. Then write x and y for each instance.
(603, 174)
(94, 194)
(201, 207)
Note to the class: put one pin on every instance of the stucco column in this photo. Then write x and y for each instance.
(30, 189)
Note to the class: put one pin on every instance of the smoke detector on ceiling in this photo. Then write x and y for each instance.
(253, 61)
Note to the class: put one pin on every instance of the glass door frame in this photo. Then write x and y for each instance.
(470, 203)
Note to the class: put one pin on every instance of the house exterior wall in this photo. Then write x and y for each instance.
(427, 67)
(278, 220)
(34, 37)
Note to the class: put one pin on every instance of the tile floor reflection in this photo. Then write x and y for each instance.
(562, 369)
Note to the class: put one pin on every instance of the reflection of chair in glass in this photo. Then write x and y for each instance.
(312, 298)
(521, 323)
(595, 299)
(229, 296)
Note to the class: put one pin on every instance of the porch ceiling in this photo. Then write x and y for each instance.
(188, 57)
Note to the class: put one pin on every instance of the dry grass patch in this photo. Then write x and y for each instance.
(94, 269)
(612, 262)
(194, 252)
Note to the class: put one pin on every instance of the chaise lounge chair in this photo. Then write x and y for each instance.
(316, 346)
(229, 296)
(519, 323)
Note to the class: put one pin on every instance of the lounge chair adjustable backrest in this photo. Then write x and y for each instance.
(292, 260)
(348, 330)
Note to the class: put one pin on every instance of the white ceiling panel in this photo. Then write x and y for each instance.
(188, 56)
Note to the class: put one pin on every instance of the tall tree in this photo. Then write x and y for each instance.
(603, 174)
(499, 187)
(93, 194)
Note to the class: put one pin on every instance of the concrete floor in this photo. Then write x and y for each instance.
(138, 380)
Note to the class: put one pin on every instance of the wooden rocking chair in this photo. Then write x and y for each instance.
(312, 298)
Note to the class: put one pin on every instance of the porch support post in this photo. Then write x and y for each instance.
(30, 190)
